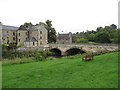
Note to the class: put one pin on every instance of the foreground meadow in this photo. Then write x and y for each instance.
(66, 72)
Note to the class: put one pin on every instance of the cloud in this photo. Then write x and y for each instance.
(67, 15)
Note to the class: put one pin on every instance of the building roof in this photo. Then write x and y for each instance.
(7, 27)
(31, 39)
(33, 27)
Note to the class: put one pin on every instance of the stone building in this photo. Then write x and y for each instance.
(36, 35)
(9, 34)
(65, 38)
(32, 36)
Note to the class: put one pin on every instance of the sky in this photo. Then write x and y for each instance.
(66, 15)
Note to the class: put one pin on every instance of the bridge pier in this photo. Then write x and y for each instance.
(62, 53)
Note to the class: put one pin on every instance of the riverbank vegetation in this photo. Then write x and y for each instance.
(107, 34)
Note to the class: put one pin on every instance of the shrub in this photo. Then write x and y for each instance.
(18, 54)
(39, 57)
(51, 58)
(35, 55)
(17, 61)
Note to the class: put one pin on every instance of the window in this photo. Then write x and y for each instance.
(19, 40)
(40, 37)
(33, 43)
(40, 42)
(13, 38)
(40, 32)
(13, 33)
(7, 41)
(7, 33)
(19, 34)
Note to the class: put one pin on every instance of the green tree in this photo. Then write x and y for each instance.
(82, 40)
(25, 26)
(113, 26)
(51, 32)
(99, 29)
(116, 37)
(76, 38)
(91, 37)
(102, 37)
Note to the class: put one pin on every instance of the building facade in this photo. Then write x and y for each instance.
(65, 38)
(32, 36)
(9, 34)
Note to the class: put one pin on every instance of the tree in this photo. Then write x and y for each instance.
(51, 32)
(77, 32)
(25, 26)
(91, 37)
(113, 26)
(93, 32)
(116, 37)
(76, 38)
(99, 29)
(102, 37)
(48, 22)
(82, 40)
(82, 34)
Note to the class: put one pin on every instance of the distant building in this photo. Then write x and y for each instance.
(32, 36)
(65, 38)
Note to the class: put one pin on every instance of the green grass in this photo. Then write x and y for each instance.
(67, 72)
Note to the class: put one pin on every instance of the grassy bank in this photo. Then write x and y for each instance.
(67, 72)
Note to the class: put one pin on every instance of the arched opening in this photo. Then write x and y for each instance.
(74, 51)
(56, 52)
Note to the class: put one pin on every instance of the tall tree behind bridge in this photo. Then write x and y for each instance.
(51, 32)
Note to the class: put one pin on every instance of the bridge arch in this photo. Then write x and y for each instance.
(74, 51)
(56, 52)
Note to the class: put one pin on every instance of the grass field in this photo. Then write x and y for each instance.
(67, 72)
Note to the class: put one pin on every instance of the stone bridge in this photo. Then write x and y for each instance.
(72, 49)
(66, 49)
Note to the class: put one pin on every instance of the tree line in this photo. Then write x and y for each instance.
(107, 34)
